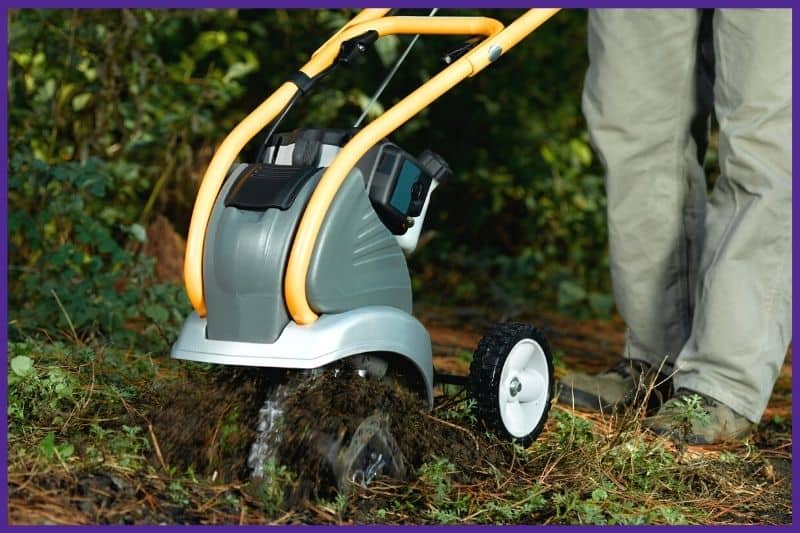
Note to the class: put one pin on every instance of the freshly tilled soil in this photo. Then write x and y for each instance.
(210, 426)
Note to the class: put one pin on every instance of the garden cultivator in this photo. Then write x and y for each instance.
(297, 260)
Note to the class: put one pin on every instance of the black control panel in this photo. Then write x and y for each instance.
(397, 183)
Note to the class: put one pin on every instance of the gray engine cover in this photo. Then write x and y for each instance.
(357, 262)
(244, 262)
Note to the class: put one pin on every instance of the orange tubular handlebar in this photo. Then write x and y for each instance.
(323, 57)
(314, 214)
(498, 42)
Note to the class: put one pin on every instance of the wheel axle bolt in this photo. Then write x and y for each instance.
(515, 386)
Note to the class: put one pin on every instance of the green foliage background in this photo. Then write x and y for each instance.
(114, 114)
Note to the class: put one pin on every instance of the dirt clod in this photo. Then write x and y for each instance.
(207, 422)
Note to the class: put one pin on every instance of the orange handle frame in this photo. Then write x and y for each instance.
(498, 41)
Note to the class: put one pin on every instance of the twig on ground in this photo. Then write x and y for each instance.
(66, 315)
(455, 426)
(157, 447)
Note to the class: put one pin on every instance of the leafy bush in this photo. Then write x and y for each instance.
(74, 266)
(154, 88)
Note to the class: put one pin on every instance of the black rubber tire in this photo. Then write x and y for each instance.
(486, 369)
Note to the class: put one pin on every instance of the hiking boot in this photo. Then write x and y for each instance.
(626, 384)
(697, 419)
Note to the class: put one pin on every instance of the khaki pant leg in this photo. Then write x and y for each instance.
(742, 322)
(639, 102)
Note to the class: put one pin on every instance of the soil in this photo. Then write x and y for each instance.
(206, 423)
(322, 413)
(320, 416)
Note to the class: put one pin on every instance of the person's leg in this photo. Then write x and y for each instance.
(742, 322)
(641, 102)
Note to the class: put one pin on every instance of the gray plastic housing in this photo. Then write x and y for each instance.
(329, 339)
(244, 261)
(356, 262)
(358, 282)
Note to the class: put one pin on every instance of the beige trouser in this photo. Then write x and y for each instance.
(703, 280)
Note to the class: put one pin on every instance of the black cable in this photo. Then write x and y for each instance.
(275, 123)
(306, 87)
(347, 52)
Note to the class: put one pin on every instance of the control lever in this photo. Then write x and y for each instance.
(450, 57)
(352, 48)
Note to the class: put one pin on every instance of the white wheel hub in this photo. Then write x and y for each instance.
(523, 388)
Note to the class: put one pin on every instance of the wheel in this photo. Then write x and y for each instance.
(511, 380)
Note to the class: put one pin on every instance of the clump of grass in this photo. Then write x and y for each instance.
(72, 404)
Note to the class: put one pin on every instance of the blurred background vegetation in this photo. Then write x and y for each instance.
(114, 116)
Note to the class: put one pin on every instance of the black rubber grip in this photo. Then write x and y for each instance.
(303, 82)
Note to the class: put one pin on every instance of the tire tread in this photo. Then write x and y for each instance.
(486, 368)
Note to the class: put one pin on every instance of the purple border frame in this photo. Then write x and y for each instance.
(393, 3)
(309, 4)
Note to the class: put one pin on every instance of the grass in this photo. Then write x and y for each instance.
(82, 450)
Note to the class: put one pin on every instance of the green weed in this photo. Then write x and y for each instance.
(37, 394)
(437, 475)
(178, 494)
(685, 411)
(572, 431)
(270, 488)
(463, 412)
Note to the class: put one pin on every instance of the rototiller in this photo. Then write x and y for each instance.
(297, 260)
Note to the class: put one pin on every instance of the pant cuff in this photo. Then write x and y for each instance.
(750, 410)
